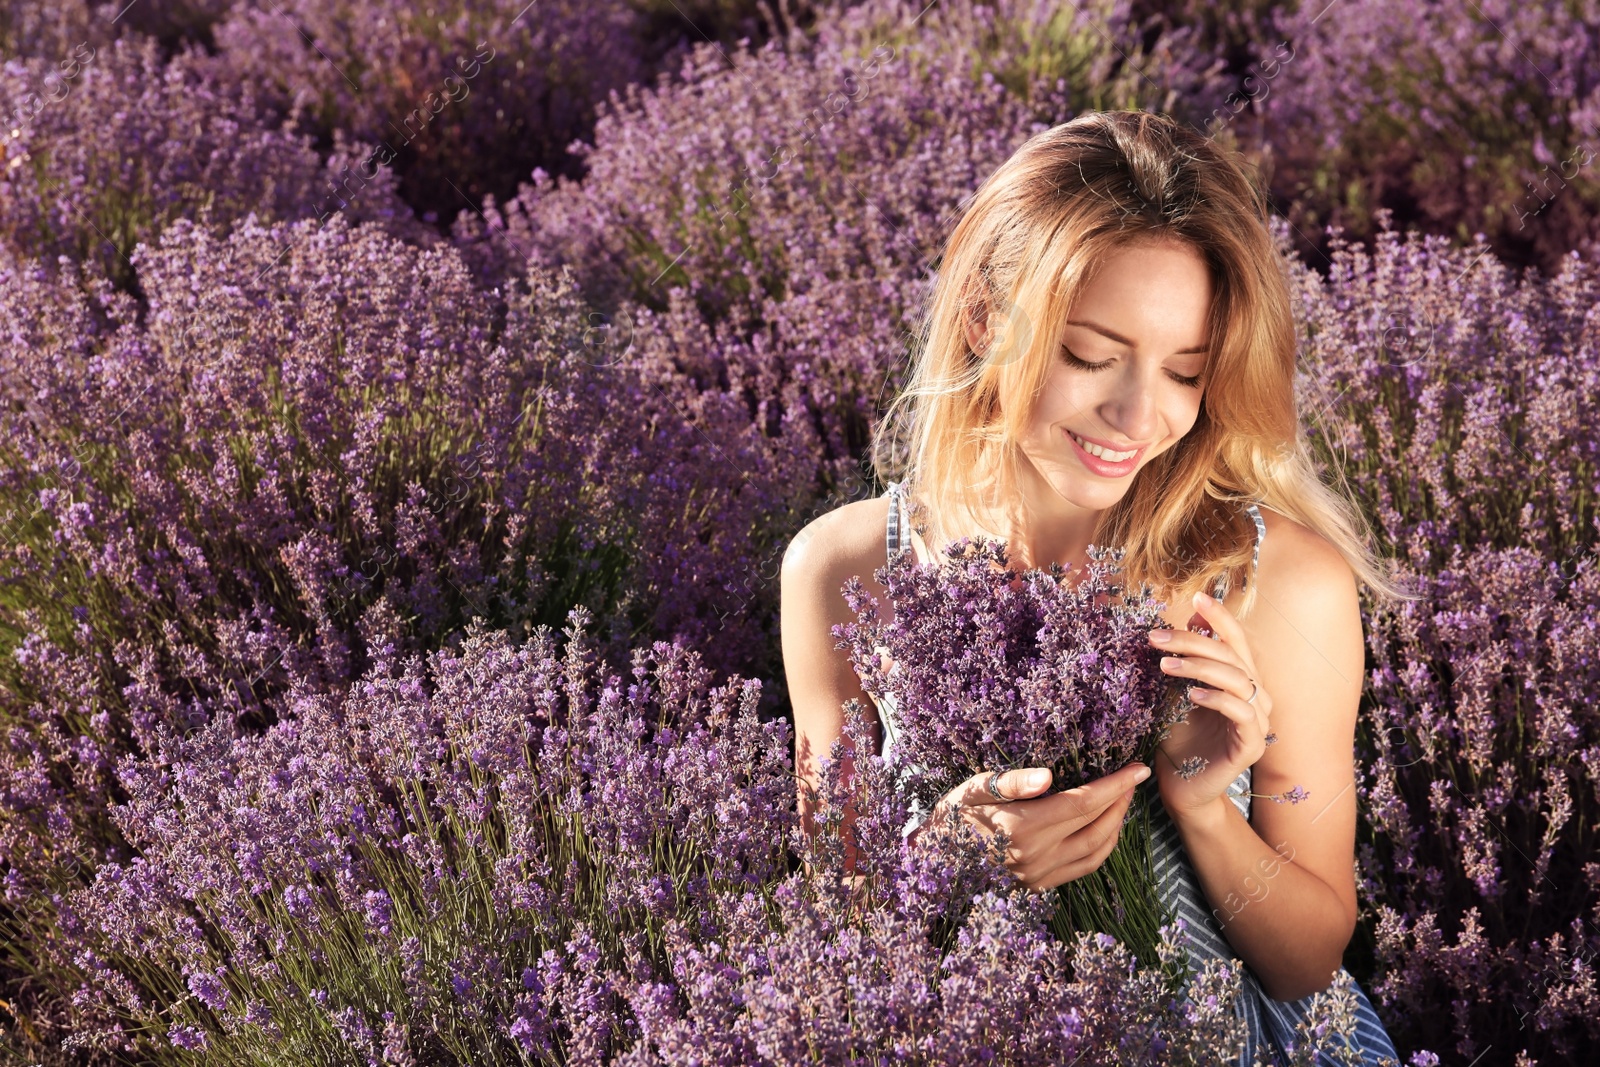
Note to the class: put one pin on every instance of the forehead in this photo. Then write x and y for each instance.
(1148, 295)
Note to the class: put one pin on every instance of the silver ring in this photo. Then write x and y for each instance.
(1254, 689)
(994, 786)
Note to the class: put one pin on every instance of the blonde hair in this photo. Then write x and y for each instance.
(1028, 241)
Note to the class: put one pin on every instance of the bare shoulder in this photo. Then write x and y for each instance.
(1306, 631)
(847, 541)
(834, 547)
(1300, 567)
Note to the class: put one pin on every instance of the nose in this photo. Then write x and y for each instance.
(1131, 409)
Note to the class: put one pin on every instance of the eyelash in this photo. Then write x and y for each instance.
(1193, 383)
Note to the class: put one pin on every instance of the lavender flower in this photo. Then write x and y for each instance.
(1055, 673)
(468, 100)
(377, 800)
(187, 1037)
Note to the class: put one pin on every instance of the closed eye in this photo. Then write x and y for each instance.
(1193, 382)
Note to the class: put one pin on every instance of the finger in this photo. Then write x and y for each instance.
(1226, 627)
(1102, 835)
(1262, 705)
(1020, 784)
(1192, 645)
(1075, 808)
(1243, 715)
(1211, 673)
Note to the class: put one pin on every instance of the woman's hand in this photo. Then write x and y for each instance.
(1224, 733)
(1053, 839)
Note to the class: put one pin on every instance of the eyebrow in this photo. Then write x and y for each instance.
(1121, 340)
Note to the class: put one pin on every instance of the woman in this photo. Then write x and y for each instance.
(1108, 358)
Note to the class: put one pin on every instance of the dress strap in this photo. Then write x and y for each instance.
(1220, 589)
(892, 541)
(1261, 535)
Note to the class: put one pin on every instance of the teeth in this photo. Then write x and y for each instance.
(1105, 454)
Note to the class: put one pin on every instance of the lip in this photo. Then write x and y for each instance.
(1100, 466)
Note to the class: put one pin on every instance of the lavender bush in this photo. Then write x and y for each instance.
(1460, 118)
(1460, 400)
(457, 103)
(376, 878)
(130, 143)
(50, 31)
(409, 873)
(320, 442)
(470, 97)
(1457, 395)
(172, 22)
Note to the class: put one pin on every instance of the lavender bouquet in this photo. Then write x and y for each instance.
(994, 669)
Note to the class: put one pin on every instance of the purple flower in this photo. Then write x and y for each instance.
(209, 989)
(983, 675)
(379, 910)
(298, 901)
(188, 1037)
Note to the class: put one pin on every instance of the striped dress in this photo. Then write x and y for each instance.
(1271, 1022)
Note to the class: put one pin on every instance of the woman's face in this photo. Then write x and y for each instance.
(1142, 324)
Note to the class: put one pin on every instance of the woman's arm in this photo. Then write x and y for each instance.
(827, 552)
(1282, 885)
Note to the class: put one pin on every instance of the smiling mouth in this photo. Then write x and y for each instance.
(1105, 455)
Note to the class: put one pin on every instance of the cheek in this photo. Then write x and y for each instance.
(1053, 411)
(1179, 406)
(1064, 400)
(1183, 413)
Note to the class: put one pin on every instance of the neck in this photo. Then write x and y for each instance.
(1042, 528)
(1039, 528)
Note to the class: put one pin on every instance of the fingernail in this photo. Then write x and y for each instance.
(1141, 774)
(1161, 637)
(1201, 598)
(1036, 779)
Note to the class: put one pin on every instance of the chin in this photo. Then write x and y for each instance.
(1087, 493)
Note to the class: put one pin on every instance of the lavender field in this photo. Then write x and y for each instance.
(404, 413)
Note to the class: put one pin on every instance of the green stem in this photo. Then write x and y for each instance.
(1089, 903)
